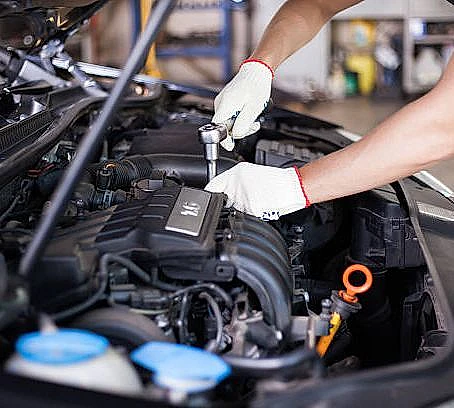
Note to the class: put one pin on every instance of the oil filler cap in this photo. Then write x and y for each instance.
(180, 367)
(66, 346)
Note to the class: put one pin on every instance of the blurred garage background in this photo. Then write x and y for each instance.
(364, 65)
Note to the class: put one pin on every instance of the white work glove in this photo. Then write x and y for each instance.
(262, 191)
(242, 100)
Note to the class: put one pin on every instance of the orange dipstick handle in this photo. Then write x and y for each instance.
(349, 295)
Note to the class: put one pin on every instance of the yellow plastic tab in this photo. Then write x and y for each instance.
(325, 341)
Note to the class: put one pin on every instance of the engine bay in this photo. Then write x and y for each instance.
(151, 263)
(144, 254)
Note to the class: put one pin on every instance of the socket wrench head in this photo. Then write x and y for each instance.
(212, 133)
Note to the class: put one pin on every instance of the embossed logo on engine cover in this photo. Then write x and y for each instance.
(190, 208)
(189, 212)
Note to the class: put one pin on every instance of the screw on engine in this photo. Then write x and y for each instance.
(326, 309)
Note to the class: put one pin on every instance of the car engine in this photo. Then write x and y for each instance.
(143, 254)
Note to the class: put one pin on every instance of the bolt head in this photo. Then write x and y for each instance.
(28, 40)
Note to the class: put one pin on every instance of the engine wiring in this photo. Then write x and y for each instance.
(20, 198)
(185, 294)
(214, 345)
(10, 209)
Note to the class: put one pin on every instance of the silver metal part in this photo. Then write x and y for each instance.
(302, 326)
(79, 76)
(153, 84)
(189, 212)
(32, 72)
(210, 135)
(242, 316)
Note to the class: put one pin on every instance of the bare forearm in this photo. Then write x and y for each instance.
(295, 24)
(413, 139)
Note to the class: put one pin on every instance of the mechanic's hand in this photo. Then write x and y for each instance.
(242, 100)
(262, 191)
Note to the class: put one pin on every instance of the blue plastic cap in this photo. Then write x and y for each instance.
(181, 367)
(66, 346)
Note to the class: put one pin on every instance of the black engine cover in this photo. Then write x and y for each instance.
(185, 233)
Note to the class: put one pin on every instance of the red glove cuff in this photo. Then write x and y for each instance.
(308, 203)
(260, 62)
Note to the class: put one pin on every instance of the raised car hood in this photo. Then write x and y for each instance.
(28, 24)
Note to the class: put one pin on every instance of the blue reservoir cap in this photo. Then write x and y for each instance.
(181, 367)
(66, 346)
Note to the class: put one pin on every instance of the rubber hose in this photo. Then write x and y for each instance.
(281, 365)
(190, 169)
(124, 171)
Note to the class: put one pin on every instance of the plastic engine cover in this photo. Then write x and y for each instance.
(185, 233)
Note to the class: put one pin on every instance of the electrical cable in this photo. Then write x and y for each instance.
(205, 286)
(182, 318)
(93, 138)
(16, 231)
(214, 346)
(10, 209)
(184, 307)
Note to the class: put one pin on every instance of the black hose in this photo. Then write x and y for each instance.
(140, 273)
(162, 285)
(130, 265)
(205, 286)
(280, 365)
(184, 309)
(214, 346)
(124, 172)
(93, 138)
(189, 168)
(154, 272)
(121, 326)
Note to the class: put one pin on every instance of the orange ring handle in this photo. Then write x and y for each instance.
(351, 290)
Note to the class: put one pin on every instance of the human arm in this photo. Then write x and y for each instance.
(293, 26)
(418, 136)
(245, 97)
